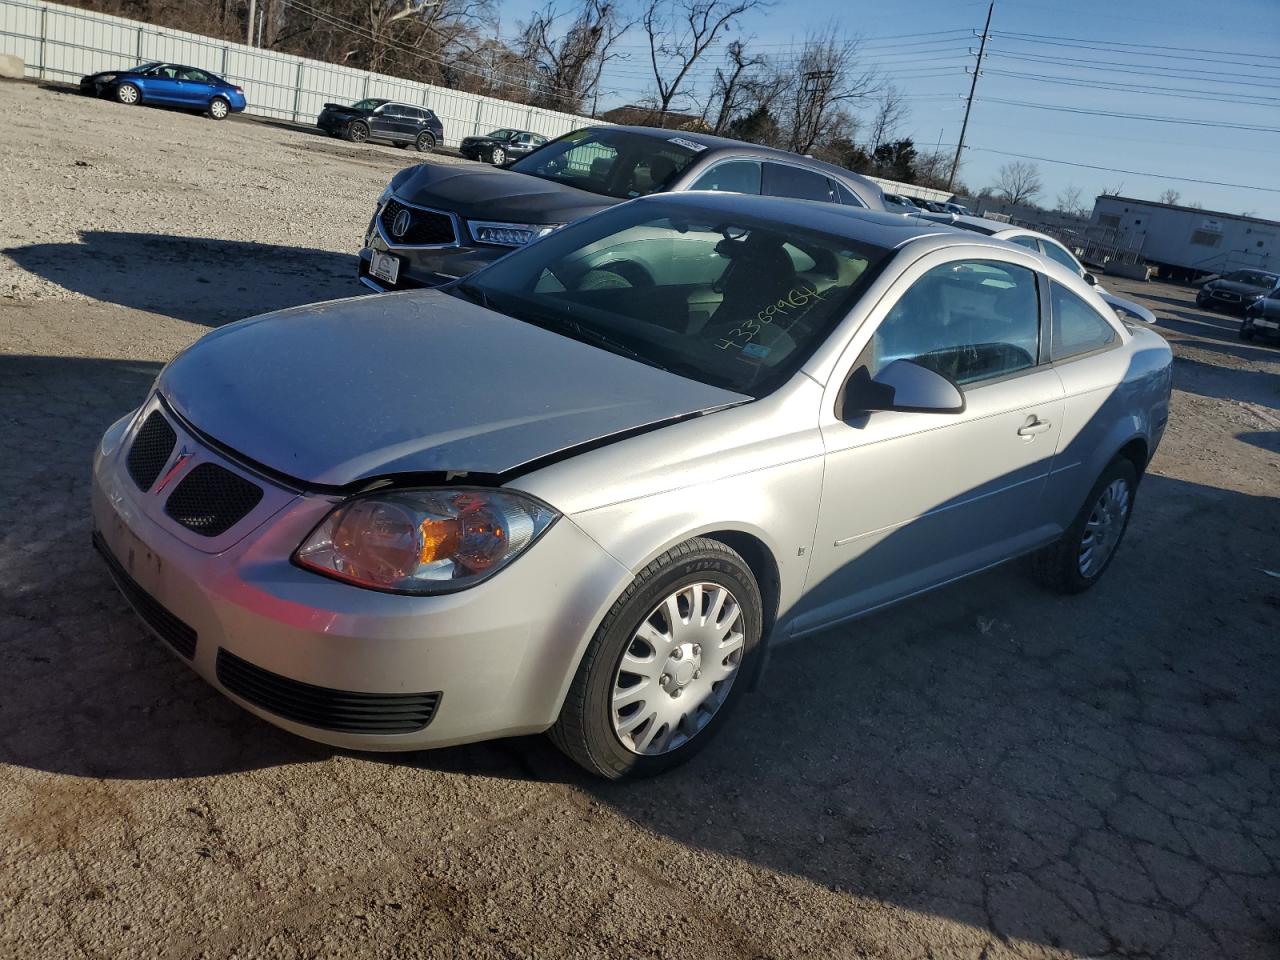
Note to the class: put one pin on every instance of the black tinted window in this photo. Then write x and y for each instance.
(1077, 327)
(969, 321)
(783, 180)
(847, 196)
(1055, 252)
(616, 163)
(1026, 240)
(732, 176)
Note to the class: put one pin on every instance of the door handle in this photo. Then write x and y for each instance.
(1033, 426)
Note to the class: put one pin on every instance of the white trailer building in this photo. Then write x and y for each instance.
(1185, 243)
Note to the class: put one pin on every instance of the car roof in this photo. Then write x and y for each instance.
(977, 224)
(725, 144)
(876, 228)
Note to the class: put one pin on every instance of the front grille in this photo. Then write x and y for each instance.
(425, 226)
(150, 450)
(211, 499)
(341, 710)
(1226, 296)
(172, 630)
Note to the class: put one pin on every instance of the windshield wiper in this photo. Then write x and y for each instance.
(575, 330)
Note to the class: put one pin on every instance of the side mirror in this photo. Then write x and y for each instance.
(1089, 278)
(904, 386)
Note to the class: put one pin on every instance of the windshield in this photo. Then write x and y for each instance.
(616, 163)
(726, 299)
(1253, 278)
(370, 104)
(143, 67)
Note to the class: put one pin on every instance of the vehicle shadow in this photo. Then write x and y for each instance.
(197, 279)
(1226, 383)
(1207, 326)
(994, 754)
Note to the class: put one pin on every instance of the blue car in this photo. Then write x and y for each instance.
(167, 84)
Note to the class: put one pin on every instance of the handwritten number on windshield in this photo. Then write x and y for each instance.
(746, 331)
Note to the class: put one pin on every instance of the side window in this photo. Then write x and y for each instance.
(1055, 252)
(1026, 240)
(972, 320)
(847, 196)
(197, 76)
(1077, 327)
(783, 180)
(732, 176)
(413, 113)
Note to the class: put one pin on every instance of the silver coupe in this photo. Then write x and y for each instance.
(585, 489)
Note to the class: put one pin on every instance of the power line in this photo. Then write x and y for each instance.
(1234, 60)
(1205, 76)
(1256, 128)
(1143, 45)
(1182, 93)
(1133, 173)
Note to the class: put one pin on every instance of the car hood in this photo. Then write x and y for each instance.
(490, 193)
(416, 382)
(1235, 286)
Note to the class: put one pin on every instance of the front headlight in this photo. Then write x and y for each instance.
(509, 234)
(424, 541)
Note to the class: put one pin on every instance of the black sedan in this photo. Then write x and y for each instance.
(374, 119)
(499, 146)
(435, 223)
(1236, 291)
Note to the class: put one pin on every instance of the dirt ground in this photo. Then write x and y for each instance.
(991, 772)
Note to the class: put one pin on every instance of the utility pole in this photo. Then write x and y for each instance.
(973, 87)
(248, 33)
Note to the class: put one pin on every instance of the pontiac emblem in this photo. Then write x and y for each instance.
(183, 456)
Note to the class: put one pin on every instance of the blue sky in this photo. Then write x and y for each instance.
(1228, 73)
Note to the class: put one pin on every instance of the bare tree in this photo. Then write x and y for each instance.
(1019, 182)
(933, 168)
(570, 63)
(891, 111)
(1113, 191)
(1170, 197)
(819, 89)
(679, 33)
(1069, 201)
(733, 88)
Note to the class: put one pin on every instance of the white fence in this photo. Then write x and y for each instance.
(64, 43)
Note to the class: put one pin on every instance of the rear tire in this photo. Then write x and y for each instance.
(588, 728)
(425, 143)
(357, 131)
(128, 94)
(1071, 565)
(219, 108)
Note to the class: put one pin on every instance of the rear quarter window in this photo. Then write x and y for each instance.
(1077, 327)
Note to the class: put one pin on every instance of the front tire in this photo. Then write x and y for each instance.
(1081, 556)
(667, 665)
(128, 94)
(219, 108)
(1246, 332)
(425, 143)
(357, 131)
(498, 157)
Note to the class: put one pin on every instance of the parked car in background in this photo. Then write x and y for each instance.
(400, 124)
(435, 223)
(1236, 291)
(499, 146)
(896, 203)
(957, 209)
(168, 85)
(1262, 318)
(524, 502)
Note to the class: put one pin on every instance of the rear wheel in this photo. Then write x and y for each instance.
(128, 94)
(357, 131)
(219, 108)
(1080, 557)
(664, 670)
(425, 143)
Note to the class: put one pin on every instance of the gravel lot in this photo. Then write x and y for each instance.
(993, 772)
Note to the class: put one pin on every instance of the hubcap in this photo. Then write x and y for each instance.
(128, 94)
(677, 671)
(357, 134)
(219, 109)
(499, 156)
(1102, 532)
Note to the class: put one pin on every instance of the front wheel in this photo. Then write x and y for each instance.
(499, 156)
(219, 108)
(425, 143)
(357, 131)
(128, 94)
(1079, 558)
(665, 668)
(1246, 331)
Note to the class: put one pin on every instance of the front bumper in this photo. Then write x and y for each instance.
(303, 651)
(1262, 326)
(424, 266)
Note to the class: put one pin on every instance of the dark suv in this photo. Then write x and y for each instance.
(398, 123)
(434, 223)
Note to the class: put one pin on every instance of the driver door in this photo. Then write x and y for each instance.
(911, 500)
